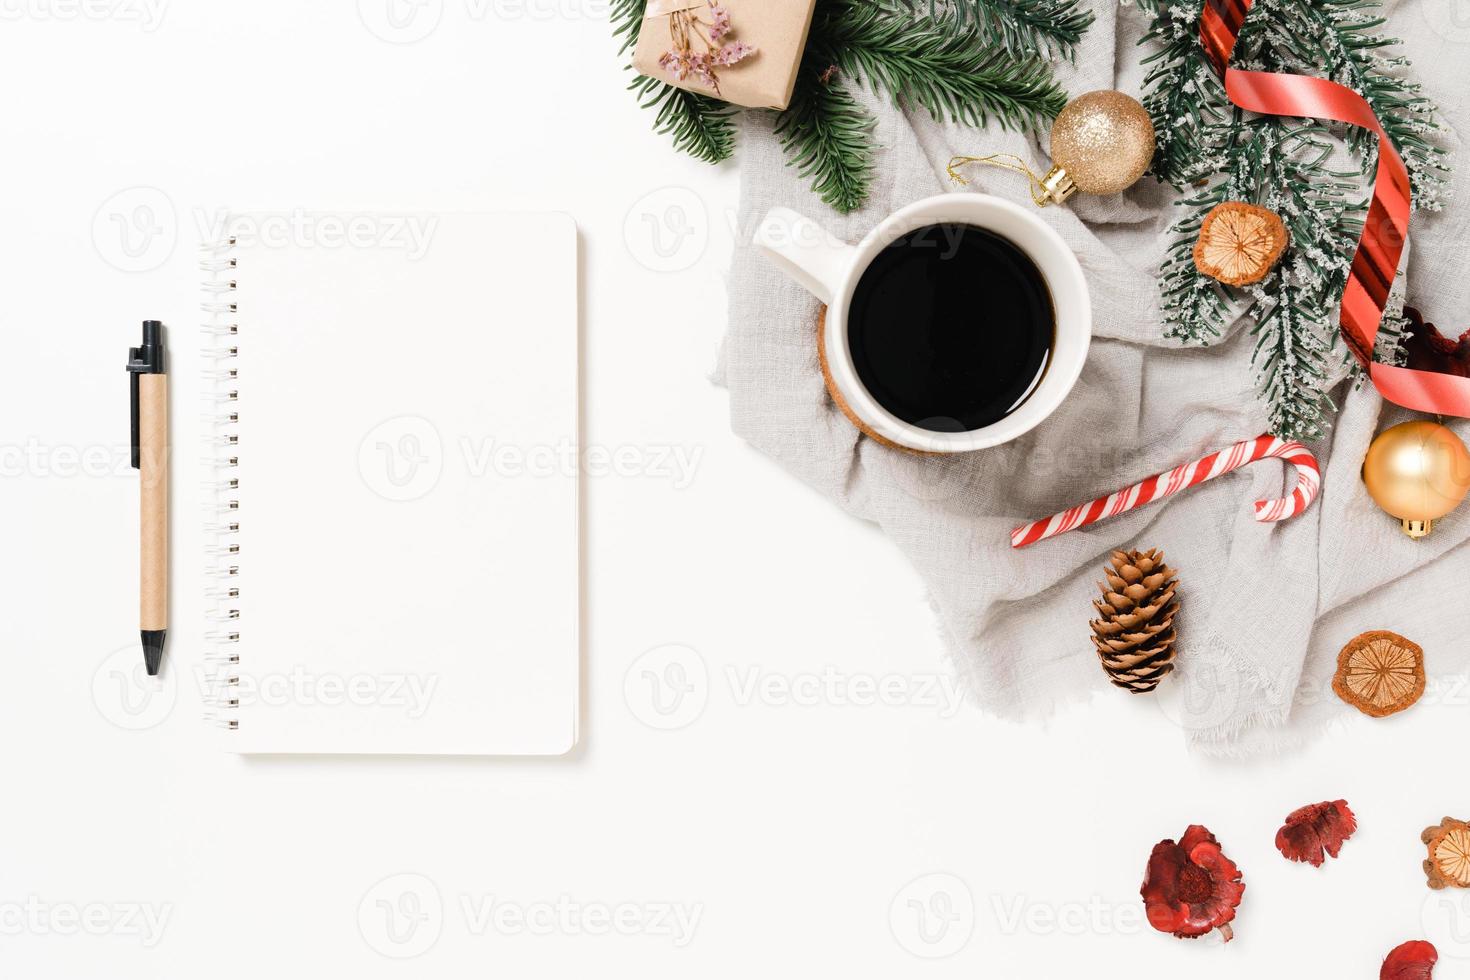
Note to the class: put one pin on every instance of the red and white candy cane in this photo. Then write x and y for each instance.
(1159, 486)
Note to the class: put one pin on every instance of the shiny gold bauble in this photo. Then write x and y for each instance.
(1417, 471)
(1101, 143)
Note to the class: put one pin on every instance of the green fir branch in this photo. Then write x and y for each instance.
(627, 21)
(1182, 94)
(1021, 27)
(701, 126)
(827, 136)
(950, 73)
(1291, 354)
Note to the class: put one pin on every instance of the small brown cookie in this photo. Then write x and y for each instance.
(1380, 673)
(1448, 864)
(1239, 243)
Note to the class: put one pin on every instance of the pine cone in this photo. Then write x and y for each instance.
(1135, 636)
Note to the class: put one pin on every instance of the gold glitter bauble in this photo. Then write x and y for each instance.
(1102, 142)
(1417, 471)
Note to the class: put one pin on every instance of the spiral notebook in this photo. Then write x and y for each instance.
(392, 543)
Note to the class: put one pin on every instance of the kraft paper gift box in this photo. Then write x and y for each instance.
(777, 29)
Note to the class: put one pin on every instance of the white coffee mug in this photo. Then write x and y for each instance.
(831, 268)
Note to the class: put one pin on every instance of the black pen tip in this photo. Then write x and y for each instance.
(153, 650)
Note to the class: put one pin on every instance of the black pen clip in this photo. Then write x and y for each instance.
(147, 359)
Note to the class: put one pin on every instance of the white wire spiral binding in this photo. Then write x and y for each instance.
(221, 486)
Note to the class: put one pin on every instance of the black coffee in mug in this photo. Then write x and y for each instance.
(951, 328)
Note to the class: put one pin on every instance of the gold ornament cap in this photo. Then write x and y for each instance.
(1058, 185)
(1418, 472)
(1101, 143)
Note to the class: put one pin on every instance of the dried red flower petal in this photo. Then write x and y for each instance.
(1411, 961)
(1191, 887)
(1429, 350)
(1316, 832)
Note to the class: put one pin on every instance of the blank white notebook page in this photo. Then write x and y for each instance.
(408, 568)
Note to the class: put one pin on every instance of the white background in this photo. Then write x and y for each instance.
(806, 834)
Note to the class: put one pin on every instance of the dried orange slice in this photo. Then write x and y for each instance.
(1448, 863)
(1239, 243)
(1380, 673)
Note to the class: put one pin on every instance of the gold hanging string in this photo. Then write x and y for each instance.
(1006, 161)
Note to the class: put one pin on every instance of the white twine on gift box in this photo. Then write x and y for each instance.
(662, 8)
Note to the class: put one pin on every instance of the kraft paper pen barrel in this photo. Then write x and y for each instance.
(148, 381)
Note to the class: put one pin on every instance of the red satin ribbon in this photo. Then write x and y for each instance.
(1376, 261)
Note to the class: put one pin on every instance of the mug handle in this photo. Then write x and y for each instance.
(806, 252)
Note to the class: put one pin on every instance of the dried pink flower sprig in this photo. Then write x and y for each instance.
(683, 60)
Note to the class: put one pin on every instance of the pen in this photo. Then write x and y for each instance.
(148, 381)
